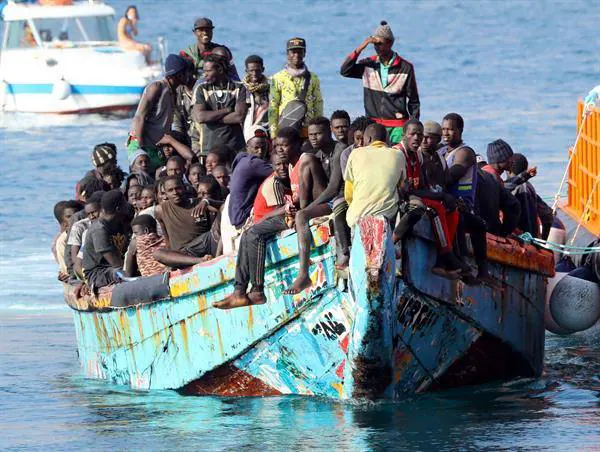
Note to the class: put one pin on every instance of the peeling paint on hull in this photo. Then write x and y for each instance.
(383, 337)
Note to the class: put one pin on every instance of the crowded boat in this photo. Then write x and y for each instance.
(220, 162)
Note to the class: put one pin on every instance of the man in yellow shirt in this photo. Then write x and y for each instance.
(373, 175)
(287, 85)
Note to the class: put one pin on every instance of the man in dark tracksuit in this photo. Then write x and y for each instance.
(390, 87)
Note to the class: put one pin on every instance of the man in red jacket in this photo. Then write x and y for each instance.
(390, 87)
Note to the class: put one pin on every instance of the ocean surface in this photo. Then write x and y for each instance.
(514, 70)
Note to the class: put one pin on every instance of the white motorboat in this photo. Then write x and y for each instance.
(66, 59)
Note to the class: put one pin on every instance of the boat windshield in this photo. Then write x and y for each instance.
(59, 32)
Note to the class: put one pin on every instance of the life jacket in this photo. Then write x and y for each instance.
(466, 186)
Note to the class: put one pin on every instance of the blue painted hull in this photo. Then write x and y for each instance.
(380, 335)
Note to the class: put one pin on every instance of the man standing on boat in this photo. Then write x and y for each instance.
(186, 99)
(220, 108)
(154, 115)
(390, 87)
(203, 47)
(295, 95)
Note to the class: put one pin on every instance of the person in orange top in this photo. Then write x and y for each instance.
(250, 266)
(275, 190)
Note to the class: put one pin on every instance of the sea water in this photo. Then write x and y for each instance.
(514, 70)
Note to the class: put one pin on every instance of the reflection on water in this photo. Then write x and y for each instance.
(45, 390)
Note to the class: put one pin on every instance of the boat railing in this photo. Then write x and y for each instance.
(583, 202)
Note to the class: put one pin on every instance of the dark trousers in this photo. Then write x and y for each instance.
(341, 229)
(250, 267)
(473, 224)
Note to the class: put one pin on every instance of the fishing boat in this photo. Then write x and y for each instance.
(392, 329)
(60, 58)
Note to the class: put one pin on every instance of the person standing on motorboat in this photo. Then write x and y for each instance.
(203, 47)
(154, 115)
(390, 86)
(127, 29)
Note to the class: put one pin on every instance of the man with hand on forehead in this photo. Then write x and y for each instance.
(390, 87)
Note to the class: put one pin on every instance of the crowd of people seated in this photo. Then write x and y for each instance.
(219, 165)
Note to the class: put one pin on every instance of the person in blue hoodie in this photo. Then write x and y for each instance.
(248, 170)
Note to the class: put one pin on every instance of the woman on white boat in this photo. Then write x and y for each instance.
(127, 29)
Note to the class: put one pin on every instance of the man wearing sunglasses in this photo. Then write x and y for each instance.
(390, 88)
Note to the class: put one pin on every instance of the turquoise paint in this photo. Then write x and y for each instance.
(381, 337)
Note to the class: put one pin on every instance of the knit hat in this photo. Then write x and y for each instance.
(174, 64)
(135, 154)
(103, 153)
(498, 151)
(384, 31)
(432, 128)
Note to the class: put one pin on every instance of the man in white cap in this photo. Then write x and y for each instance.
(390, 88)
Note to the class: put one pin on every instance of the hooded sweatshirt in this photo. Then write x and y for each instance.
(248, 172)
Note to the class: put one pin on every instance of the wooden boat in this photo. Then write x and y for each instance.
(394, 328)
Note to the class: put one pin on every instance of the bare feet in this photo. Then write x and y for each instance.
(299, 284)
(239, 299)
(257, 297)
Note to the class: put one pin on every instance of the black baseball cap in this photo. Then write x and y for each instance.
(296, 43)
(203, 22)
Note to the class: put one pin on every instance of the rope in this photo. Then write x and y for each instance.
(586, 114)
(588, 206)
(564, 249)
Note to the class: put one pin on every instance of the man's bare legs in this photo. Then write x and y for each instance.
(313, 181)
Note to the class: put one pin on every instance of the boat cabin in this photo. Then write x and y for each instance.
(80, 24)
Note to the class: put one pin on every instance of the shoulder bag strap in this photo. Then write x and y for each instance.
(304, 91)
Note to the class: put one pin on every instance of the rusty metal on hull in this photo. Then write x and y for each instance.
(379, 336)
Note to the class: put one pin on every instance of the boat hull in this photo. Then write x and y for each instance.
(379, 336)
(73, 80)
